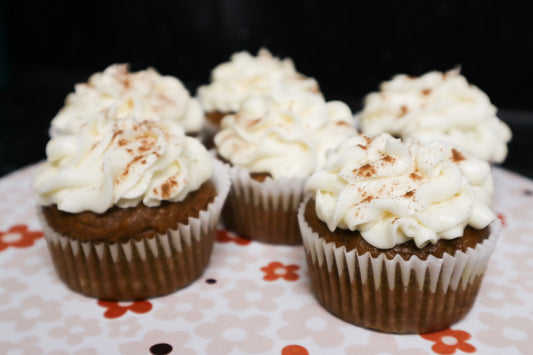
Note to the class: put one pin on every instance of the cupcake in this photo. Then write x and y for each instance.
(273, 145)
(144, 95)
(437, 105)
(244, 76)
(129, 208)
(398, 235)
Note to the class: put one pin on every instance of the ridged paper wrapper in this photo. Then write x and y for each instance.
(397, 295)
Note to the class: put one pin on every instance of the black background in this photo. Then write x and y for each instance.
(349, 47)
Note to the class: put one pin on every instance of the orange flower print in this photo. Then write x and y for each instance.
(294, 350)
(276, 270)
(448, 341)
(501, 216)
(225, 236)
(117, 309)
(18, 236)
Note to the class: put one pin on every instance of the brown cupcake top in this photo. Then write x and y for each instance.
(353, 240)
(122, 224)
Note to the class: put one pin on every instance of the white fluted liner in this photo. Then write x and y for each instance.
(264, 211)
(398, 296)
(452, 271)
(286, 193)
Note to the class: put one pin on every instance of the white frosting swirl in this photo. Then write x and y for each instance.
(284, 136)
(144, 94)
(121, 162)
(437, 106)
(393, 192)
(245, 75)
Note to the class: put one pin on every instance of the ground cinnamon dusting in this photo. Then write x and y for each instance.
(127, 170)
(415, 176)
(367, 199)
(410, 193)
(252, 123)
(368, 139)
(166, 188)
(117, 133)
(366, 170)
(389, 159)
(341, 123)
(457, 156)
(403, 111)
(125, 80)
(146, 144)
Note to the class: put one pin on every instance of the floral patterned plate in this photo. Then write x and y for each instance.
(253, 298)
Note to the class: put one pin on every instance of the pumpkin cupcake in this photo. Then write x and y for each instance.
(129, 208)
(273, 145)
(398, 235)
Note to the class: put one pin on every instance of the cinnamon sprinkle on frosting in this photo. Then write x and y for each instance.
(403, 111)
(366, 171)
(457, 156)
(410, 193)
(389, 159)
(415, 176)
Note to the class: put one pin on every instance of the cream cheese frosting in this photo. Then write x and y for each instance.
(123, 162)
(393, 192)
(285, 136)
(145, 94)
(437, 105)
(245, 75)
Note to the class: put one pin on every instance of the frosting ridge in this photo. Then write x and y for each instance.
(285, 136)
(121, 162)
(437, 105)
(144, 95)
(393, 192)
(245, 75)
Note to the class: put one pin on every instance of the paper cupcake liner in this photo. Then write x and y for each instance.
(264, 211)
(138, 269)
(209, 130)
(400, 296)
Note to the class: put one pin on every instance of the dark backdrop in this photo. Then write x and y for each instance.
(349, 47)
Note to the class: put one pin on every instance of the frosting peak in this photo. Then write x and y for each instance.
(437, 105)
(393, 192)
(121, 162)
(144, 94)
(283, 136)
(245, 75)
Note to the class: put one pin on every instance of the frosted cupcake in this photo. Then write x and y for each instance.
(437, 105)
(273, 145)
(144, 95)
(398, 236)
(244, 76)
(129, 209)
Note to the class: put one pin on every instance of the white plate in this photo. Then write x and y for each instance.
(236, 309)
